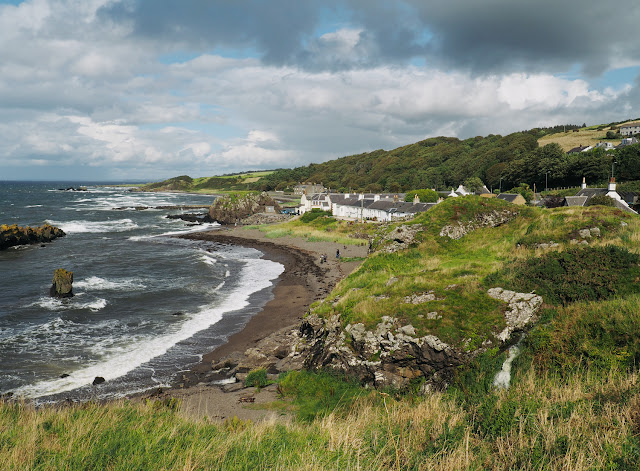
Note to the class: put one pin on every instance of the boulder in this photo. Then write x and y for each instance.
(98, 380)
(62, 284)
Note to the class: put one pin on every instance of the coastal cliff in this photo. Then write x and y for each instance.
(14, 235)
(233, 208)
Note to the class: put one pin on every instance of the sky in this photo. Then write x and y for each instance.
(151, 89)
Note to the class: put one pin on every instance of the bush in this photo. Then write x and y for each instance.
(257, 378)
(584, 274)
(600, 200)
(313, 215)
(425, 196)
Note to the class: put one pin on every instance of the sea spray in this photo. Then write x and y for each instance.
(503, 378)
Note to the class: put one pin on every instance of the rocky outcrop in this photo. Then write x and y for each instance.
(491, 219)
(391, 355)
(401, 237)
(521, 312)
(231, 209)
(62, 284)
(14, 235)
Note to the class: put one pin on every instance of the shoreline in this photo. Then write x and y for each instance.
(304, 281)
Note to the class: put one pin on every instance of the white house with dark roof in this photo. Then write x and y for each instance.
(585, 194)
(629, 129)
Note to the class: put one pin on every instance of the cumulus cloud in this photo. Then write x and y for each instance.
(143, 88)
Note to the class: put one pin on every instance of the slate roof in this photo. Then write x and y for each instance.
(510, 197)
(591, 192)
(575, 200)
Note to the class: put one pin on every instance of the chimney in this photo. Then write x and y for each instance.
(416, 199)
(612, 184)
(584, 183)
(361, 196)
(346, 195)
(376, 197)
(395, 198)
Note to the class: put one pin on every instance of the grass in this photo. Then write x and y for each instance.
(574, 401)
(581, 421)
(585, 137)
(321, 229)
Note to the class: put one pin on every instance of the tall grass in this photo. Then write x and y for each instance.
(580, 421)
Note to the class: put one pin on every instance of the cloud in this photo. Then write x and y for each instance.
(151, 89)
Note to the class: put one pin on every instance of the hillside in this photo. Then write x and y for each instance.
(583, 136)
(535, 157)
(574, 392)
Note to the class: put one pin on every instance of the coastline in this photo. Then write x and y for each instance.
(304, 281)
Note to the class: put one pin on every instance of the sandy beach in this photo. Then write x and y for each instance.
(304, 280)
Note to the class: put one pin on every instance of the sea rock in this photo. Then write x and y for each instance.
(62, 284)
(98, 380)
(14, 235)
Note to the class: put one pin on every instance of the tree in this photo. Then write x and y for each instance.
(473, 184)
(425, 196)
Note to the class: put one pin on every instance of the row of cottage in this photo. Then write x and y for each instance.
(390, 207)
(378, 207)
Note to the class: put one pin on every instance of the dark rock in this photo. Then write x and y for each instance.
(13, 235)
(62, 284)
(98, 380)
(64, 375)
(178, 314)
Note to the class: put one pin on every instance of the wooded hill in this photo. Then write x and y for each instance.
(445, 162)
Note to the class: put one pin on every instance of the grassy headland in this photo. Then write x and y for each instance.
(574, 397)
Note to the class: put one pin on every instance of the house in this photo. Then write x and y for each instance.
(579, 149)
(629, 129)
(585, 194)
(308, 188)
(514, 198)
(627, 141)
(607, 146)
(464, 191)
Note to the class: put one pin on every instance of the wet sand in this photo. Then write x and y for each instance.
(304, 280)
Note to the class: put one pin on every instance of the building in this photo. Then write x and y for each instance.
(579, 149)
(630, 129)
(607, 146)
(514, 198)
(308, 188)
(627, 141)
(585, 194)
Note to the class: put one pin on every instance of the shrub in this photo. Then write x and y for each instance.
(579, 274)
(313, 215)
(600, 200)
(257, 378)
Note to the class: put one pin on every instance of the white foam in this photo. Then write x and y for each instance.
(116, 225)
(256, 275)
(97, 283)
(56, 304)
(34, 206)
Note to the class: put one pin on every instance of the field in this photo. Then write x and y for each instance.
(588, 136)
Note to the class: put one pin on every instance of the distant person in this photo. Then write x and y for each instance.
(338, 253)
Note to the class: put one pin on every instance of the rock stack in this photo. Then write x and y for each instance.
(62, 284)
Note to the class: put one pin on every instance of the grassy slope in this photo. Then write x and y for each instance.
(573, 403)
(588, 136)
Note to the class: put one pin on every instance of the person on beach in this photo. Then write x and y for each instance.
(338, 253)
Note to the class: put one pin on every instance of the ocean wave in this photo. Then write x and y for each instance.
(57, 304)
(256, 274)
(97, 283)
(117, 225)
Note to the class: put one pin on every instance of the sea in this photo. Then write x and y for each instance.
(147, 304)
